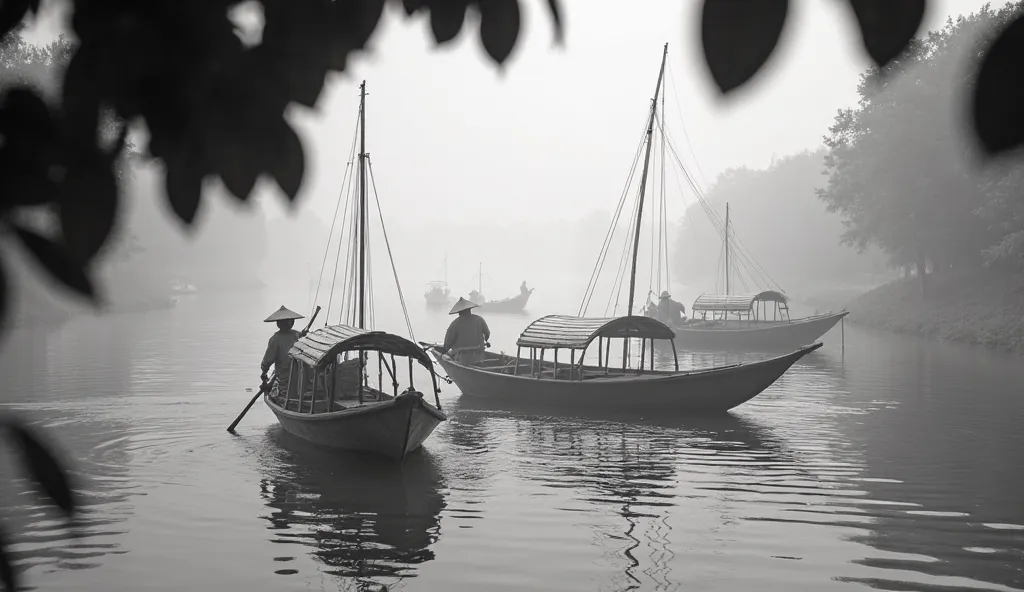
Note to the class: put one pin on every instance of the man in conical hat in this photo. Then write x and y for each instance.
(467, 335)
(670, 312)
(279, 344)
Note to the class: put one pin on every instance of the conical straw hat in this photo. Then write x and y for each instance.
(283, 314)
(462, 305)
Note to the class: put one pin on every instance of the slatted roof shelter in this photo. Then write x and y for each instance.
(568, 332)
(318, 347)
(735, 303)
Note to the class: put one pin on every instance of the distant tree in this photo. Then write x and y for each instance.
(780, 221)
(898, 169)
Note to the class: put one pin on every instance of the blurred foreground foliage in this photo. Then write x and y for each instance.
(214, 107)
(902, 171)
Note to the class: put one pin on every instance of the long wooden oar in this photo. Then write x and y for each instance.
(264, 386)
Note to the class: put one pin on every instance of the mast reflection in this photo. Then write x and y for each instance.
(369, 523)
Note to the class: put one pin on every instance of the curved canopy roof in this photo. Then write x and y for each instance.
(735, 302)
(319, 346)
(568, 332)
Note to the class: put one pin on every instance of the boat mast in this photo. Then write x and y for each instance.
(643, 178)
(362, 205)
(726, 248)
(480, 279)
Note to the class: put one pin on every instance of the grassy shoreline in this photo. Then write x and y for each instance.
(978, 307)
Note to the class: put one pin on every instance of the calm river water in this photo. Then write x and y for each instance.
(896, 466)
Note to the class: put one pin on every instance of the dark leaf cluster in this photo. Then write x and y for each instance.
(48, 476)
(739, 36)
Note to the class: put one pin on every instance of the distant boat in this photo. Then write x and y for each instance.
(438, 295)
(180, 287)
(328, 399)
(513, 304)
(751, 321)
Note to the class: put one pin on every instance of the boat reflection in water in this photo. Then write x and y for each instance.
(643, 487)
(368, 523)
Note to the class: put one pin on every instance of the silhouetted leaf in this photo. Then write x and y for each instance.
(412, 6)
(739, 36)
(887, 26)
(353, 24)
(998, 102)
(289, 164)
(499, 27)
(42, 465)
(184, 183)
(28, 150)
(12, 12)
(4, 296)
(446, 19)
(88, 202)
(8, 576)
(57, 261)
(80, 99)
(556, 16)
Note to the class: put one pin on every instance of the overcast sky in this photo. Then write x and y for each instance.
(552, 136)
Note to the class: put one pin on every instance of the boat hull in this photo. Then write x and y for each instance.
(394, 428)
(515, 304)
(767, 337)
(710, 391)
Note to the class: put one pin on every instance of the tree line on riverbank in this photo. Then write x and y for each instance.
(900, 170)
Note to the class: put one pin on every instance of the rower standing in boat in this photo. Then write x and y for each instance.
(522, 288)
(279, 345)
(467, 335)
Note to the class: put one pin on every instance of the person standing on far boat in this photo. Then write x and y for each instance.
(278, 346)
(467, 335)
(671, 312)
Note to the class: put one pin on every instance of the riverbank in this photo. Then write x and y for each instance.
(978, 307)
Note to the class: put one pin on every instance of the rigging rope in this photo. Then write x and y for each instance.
(387, 243)
(334, 220)
(606, 244)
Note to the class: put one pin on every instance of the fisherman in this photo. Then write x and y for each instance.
(279, 345)
(467, 335)
(522, 288)
(670, 312)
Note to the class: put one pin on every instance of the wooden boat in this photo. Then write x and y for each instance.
(437, 294)
(514, 304)
(328, 400)
(511, 305)
(733, 322)
(535, 383)
(518, 381)
(741, 321)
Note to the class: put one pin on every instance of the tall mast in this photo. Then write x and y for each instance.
(480, 279)
(362, 205)
(643, 178)
(726, 248)
(445, 269)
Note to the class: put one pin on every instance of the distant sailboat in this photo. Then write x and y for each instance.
(513, 304)
(438, 295)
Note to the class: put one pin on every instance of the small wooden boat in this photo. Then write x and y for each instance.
(742, 321)
(511, 305)
(514, 304)
(335, 407)
(327, 399)
(437, 294)
(535, 383)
